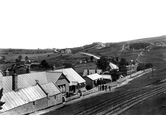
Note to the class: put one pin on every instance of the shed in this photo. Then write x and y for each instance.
(107, 78)
(91, 80)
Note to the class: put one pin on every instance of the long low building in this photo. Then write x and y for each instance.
(30, 99)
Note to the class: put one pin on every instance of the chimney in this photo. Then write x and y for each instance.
(28, 69)
(53, 67)
(95, 70)
(7, 72)
(14, 82)
(87, 71)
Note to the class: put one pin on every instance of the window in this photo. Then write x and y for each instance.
(34, 103)
(55, 97)
(62, 88)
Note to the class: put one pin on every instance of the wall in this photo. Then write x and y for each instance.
(55, 101)
(27, 108)
(88, 81)
(41, 104)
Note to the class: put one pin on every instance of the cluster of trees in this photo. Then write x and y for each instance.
(103, 62)
(143, 66)
(44, 64)
(20, 58)
(137, 46)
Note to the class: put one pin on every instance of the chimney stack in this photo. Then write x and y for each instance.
(28, 69)
(14, 82)
(87, 71)
(53, 67)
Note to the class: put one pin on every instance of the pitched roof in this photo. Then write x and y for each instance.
(24, 80)
(53, 76)
(72, 76)
(107, 77)
(51, 89)
(113, 66)
(32, 93)
(94, 76)
(14, 99)
(31, 77)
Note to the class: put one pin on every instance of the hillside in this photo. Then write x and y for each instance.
(142, 50)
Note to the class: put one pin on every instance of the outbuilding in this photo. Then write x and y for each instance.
(93, 80)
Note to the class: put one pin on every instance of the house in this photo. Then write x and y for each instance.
(60, 80)
(68, 51)
(131, 68)
(92, 80)
(62, 51)
(91, 71)
(113, 66)
(77, 83)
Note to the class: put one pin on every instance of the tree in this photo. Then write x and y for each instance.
(68, 65)
(44, 64)
(26, 58)
(86, 59)
(102, 63)
(20, 57)
(3, 58)
(1, 103)
(148, 65)
(91, 58)
(141, 66)
(123, 62)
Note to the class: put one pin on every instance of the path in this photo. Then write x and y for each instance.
(88, 54)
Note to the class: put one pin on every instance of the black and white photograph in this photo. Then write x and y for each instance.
(82, 57)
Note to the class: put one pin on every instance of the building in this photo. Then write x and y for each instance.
(91, 71)
(24, 101)
(77, 83)
(53, 94)
(107, 78)
(113, 66)
(60, 80)
(68, 51)
(92, 80)
(29, 93)
(131, 68)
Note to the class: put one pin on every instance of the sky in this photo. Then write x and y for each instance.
(41, 24)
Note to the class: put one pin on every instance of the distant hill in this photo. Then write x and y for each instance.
(153, 49)
(160, 40)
